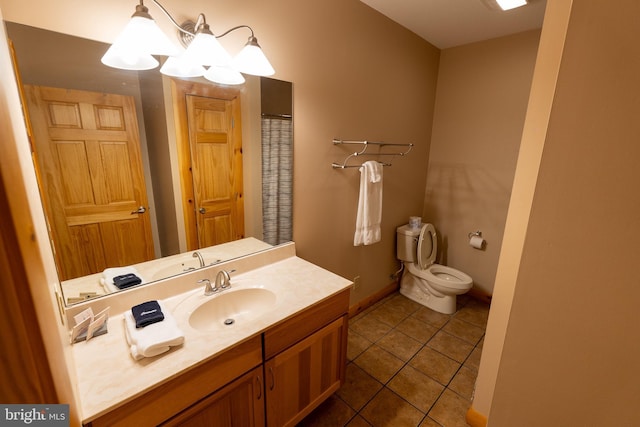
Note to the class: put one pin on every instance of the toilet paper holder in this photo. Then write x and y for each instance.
(475, 233)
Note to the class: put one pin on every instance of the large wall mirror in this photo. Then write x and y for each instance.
(160, 207)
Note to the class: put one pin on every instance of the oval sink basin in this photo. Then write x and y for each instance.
(231, 307)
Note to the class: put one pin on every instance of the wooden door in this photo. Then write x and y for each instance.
(88, 151)
(216, 165)
(306, 374)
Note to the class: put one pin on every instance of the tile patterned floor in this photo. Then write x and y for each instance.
(408, 366)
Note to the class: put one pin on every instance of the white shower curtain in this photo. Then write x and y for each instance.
(277, 179)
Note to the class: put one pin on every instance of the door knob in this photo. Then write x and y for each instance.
(140, 210)
(202, 210)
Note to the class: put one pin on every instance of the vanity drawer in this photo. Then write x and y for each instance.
(289, 332)
(177, 394)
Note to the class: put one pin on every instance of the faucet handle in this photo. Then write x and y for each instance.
(208, 290)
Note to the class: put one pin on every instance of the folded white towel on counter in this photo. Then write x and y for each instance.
(369, 214)
(109, 273)
(153, 339)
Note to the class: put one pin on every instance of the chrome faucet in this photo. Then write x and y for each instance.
(208, 290)
(197, 254)
(223, 280)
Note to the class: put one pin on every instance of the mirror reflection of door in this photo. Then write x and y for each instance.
(87, 149)
(209, 142)
(216, 167)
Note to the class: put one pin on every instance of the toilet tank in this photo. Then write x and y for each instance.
(407, 242)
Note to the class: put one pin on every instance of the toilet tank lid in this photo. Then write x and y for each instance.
(407, 230)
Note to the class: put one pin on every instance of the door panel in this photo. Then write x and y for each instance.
(216, 164)
(87, 146)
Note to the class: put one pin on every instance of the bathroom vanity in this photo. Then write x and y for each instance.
(271, 368)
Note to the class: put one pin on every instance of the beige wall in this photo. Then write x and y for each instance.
(356, 75)
(571, 346)
(481, 101)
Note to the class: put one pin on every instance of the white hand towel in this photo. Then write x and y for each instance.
(109, 273)
(153, 339)
(369, 214)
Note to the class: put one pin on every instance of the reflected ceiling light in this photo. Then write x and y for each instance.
(224, 75)
(142, 38)
(175, 66)
(510, 4)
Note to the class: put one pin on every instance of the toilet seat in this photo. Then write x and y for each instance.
(440, 277)
(427, 246)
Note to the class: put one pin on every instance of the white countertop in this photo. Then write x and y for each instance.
(108, 376)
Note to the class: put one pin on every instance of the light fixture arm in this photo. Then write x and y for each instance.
(201, 20)
(235, 28)
(174, 22)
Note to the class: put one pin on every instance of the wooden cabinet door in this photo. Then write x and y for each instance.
(88, 152)
(239, 404)
(303, 376)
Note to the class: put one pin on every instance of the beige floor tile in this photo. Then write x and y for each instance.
(473, 361)
(416, 388)
(359, 387)
(431, 317)
(463, 382)
(358, 421)
(417, 329)
(370, 328)
(428, 422)
(332, 412)
(474, 312)
(464, 330)
(387, 409)
(389, 314)
(400, 345)
(356, 344)
(379, 363)
(450, 410)
(434, 364)
(403, 303)
(450, 346)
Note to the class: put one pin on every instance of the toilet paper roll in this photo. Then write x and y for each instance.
(476, 242)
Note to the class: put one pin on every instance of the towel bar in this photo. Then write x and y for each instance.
(363, 152)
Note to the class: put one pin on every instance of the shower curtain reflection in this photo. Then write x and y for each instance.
(277, 177)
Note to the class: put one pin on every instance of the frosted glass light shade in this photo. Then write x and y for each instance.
(139, 39)
(205, 49)
(177, 66)
(128, 60)
(510, 4)
(224, 75)
(251, 60)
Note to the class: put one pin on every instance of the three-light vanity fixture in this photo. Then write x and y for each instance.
(142, 38)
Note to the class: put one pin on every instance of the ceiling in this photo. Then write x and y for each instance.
(449, 23)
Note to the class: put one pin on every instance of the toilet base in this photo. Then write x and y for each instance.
(444, 305)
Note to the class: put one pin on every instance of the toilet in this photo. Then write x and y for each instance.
(430, 284)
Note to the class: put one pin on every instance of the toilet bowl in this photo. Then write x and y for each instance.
(432, 285)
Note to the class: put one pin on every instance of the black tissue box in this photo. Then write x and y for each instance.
(147, 313)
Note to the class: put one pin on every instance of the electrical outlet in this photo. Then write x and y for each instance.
(356, 282)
